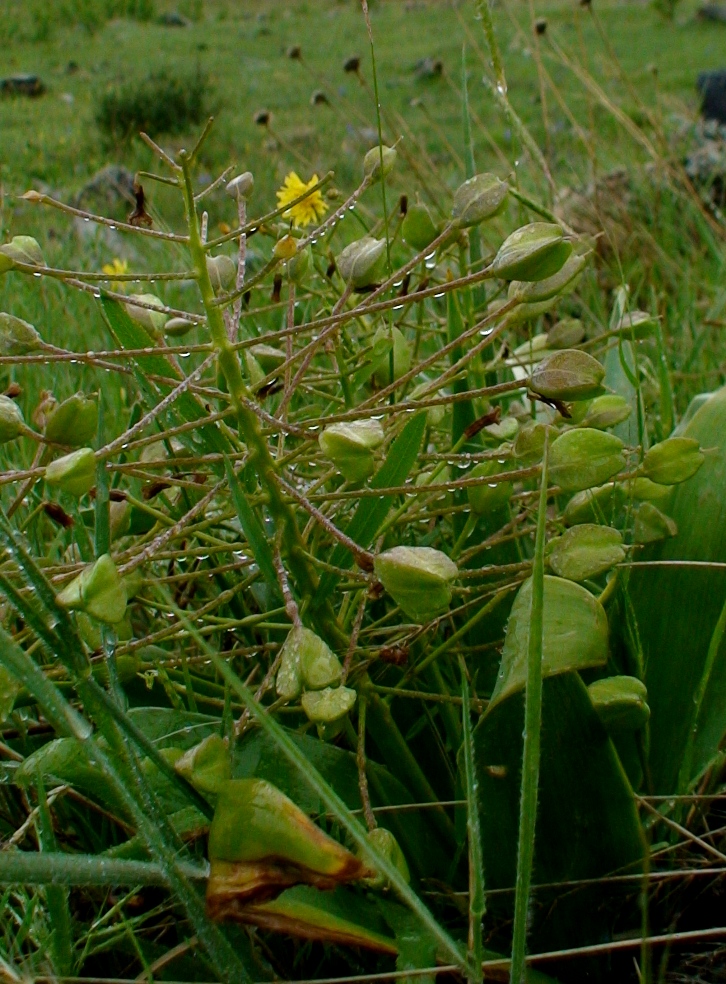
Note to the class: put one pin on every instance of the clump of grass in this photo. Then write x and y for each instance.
(160, 103)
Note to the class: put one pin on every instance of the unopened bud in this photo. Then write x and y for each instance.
(386, 844)
(206, 765)
(487, 496)
(568, 374)
(565, 334)
(98, 590)
(222, 272)
(362, 263)
(72, 422)
(621, 703)
(150, 318)
(479, 198)
(241, 186)
(585, 551)
(534, 252)
(328, 705)
(651, 524)
(606, 411)
(418, 228)
(299, 266)
(564, 281)
(17, 337)
(23, 249)
(372, 162)
(350, 447)
(418, 579)
(582, 458)
(672, 461)
(177, 327)
(12, 424)
(74, 473)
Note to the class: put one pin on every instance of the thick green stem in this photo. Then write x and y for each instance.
(531, 755)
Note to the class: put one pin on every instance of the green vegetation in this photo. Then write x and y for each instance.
(362, 545)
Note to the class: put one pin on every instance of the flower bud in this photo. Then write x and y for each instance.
(72, 422)
(74, 473)
(651, 524)
(621, 703)
(12, 424)
(299, 266)
(590, 505)
(222, 272)
(372, 162)
(581, 458)
(585, 551)
(672, 461)
(350, 447)
(534, 252)
(260, 843)
(241, 186)
(23, 249)
(98, 591)
(488, 496)
(568, 374)
(401, 356)
(268, 358)
(387, 845)
(328, 705)
(479, 198)
(606, 411)
(536, 291)
(565, 334)
(17, 337)
(305, 660)
(152, 321)
(418, 579)
(418, 228)
(177, 327)
(206, 765)
(362, 263)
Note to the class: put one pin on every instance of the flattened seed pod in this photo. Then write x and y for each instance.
(585, 551)
(350, 447)
(672, 461)
(479, 198)
(98, 590)
(387, 845)
(362, 263)
(582, 457)
(418, 228)
(74, 473)
(418, 579)
(73, 422)
(568, 374)
(621, 703)
(329, 705)
(534, 252)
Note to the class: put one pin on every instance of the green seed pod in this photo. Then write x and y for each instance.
(564, 281)
(300, 265)
(672, 461)
(592, 505)
(5, 263)
(565, 334)
(350, 447)
(17, 337)
(530, 442)
(582, 458)
(151, 321)
(254, 369)
(362, 263)
(98, 591)
(372, 162)
(534, 252)
(585, 551)
(651, 524)
(72, 422)
(506, 430)
(328, 705)
(481, 197)
(241, 186)
(178, 327)
(621, 703)
(12, 424)
(222, 272)
(23, 249)
(644, 489)
(401, 356)
(207, 765)
(568, 374)
(306, 660)
(387, 845)
(260, 842)
(435, 414)
(74, 473)
(637, 325)
(606, 411)
(418, 228)
(268, 358)
(418, 579)
(489, 496)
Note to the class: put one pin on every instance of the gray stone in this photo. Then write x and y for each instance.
(712, 87)
(22, 85)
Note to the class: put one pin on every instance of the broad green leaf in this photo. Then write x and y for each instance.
(575, 635)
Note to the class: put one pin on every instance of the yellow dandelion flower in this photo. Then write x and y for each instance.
(310, 209)
(115, 268)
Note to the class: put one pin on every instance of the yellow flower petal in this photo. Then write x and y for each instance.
(311, 209)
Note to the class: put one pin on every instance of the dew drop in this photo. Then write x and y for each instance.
(36, 274)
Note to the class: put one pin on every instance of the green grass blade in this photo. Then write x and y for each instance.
(477, 899)
(258, 542)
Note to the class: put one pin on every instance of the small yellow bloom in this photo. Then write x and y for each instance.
(310, 209)
(116, 268)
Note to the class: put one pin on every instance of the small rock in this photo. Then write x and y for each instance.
(712, 12)
(712, 87)
(22, 85)
(173, 18)
(109, 192)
